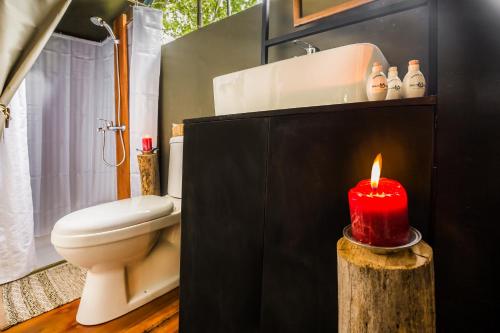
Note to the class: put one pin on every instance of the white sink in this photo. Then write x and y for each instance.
(328, 77)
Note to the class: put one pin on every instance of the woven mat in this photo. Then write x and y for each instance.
(39, 292)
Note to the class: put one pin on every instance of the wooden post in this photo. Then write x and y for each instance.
(123, 171)
(150, 174)
(385, 293)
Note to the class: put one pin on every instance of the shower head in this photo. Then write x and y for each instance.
(101, 23)
(97, 21)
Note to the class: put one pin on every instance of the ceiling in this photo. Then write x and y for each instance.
(75, 21)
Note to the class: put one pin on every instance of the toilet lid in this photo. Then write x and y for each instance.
(114, 215)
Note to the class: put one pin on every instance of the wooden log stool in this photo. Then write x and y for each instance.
(150, 173)
(385, 293)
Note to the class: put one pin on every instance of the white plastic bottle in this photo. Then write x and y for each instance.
(414, 81)
(394, 84)
(376, 84)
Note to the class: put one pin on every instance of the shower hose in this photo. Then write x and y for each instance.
(118, 121)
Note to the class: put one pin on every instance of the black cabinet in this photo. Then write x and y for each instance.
(223, 213)
(259, 254)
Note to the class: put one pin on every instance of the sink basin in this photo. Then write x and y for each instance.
(332, 76)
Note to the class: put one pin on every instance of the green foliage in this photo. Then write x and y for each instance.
(180, 16)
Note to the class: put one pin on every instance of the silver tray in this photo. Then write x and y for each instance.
(415, 238)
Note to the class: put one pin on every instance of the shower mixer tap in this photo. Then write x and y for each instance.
(109, 126)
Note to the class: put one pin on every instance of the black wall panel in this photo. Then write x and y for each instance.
(314, 161)
(261, 218)
(222, 226)
(468, 158)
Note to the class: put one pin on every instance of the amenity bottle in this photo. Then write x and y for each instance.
(414, 81)
(394, 84)
(376, 84)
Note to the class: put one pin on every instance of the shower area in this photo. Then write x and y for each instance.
(65, 110)
(68, 89)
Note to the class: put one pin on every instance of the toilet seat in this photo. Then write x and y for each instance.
(114, 221)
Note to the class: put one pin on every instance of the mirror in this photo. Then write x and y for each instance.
(306, 11)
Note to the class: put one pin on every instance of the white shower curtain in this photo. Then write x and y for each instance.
(70, 86)
(17, 249)
(145, 61)
(50, 162)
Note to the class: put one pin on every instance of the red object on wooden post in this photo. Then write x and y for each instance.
(379, 210)
(147, 144)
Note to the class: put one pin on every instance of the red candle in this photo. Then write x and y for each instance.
(379, 210)
(147, 143)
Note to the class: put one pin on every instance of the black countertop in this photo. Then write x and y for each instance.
(427, 100)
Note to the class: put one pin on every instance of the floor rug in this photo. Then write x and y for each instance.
(39, 292)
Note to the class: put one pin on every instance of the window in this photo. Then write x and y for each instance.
(181, 16)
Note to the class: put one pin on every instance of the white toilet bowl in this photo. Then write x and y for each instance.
(131, 249)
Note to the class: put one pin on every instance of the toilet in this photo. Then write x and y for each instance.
(130, 248)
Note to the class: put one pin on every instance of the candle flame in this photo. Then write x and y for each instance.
(376, 169)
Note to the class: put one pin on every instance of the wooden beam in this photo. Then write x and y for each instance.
(123, 171)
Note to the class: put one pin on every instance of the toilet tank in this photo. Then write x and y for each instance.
(175, 167)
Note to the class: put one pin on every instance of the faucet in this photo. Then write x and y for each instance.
(309, 48)
(109, 126)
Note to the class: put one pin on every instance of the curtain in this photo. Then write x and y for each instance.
(145, 61)
(25, 27)
(70, 86)
(17, 249)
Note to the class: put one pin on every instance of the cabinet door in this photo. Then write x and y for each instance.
(314, 160)
(222, 225)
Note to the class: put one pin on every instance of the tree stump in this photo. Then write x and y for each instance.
(385, 293)
(150, 174)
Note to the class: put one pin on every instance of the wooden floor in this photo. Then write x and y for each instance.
(160, 315)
